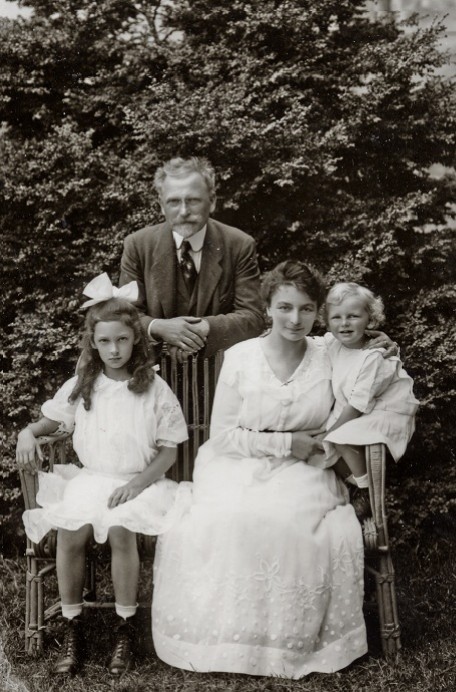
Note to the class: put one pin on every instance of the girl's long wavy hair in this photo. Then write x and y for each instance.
(140, 364)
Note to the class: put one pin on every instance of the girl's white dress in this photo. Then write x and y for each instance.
(264, 572)
(381, 389)
(114, 441)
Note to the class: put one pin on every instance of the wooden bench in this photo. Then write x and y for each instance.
(194, 383)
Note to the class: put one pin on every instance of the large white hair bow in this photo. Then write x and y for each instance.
(101, 288)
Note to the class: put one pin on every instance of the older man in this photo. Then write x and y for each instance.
(199, 277)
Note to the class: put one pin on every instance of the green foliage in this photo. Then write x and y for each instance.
(322, 125)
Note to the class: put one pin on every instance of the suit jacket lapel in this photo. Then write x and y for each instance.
(211, 269)
(164, 271)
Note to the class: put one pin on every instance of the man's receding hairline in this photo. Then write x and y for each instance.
(185, 174)
(180, 168)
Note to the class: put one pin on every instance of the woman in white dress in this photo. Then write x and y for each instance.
(264, 573)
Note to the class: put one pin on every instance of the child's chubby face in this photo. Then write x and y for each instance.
(348, 321)
(114, 342)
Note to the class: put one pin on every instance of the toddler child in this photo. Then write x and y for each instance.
(374, 399)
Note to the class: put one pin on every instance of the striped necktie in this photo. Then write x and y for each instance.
(188, 266)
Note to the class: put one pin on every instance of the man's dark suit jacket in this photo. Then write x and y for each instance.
(228, 284)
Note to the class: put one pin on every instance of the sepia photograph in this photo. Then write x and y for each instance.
(228, 345)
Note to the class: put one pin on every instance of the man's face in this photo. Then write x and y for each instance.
(186, 203)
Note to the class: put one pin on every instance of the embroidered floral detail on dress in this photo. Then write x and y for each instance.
(343, 559)
(171, 416)
(269, 574)
(308, 598)
(305, 595)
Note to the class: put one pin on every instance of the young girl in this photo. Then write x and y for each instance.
(127, 424)
(374, 395)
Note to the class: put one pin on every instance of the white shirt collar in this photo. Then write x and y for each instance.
(196, 240)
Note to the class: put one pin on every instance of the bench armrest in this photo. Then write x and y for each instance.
(376, 537)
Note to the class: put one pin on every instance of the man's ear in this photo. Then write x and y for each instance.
(268, 311)
(372, 325)
(92, 343)
(213, 204)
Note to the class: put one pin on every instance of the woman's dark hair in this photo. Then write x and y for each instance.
(140, 364)
(290, 273)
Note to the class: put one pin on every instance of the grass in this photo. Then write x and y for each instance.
(425, 579)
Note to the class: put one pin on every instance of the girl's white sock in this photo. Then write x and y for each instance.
(362, 481)
(126, 611)
(72, 610)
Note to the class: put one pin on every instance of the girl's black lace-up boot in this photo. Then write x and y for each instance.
(72, 651)
(122, 655)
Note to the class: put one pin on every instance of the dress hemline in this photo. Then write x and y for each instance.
(260, 661)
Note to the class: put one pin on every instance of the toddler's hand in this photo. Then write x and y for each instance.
(27, 448)
(123, 494)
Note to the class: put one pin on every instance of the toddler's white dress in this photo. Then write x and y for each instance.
(114, 441)
(264, 572)
(381, 389)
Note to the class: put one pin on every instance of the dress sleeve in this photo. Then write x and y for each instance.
(59, 408)
(171, 425)
(228, 436)
(375, 375)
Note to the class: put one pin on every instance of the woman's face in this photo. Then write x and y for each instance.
(293, 313)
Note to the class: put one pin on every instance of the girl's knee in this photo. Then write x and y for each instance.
(74, 540)
(121, 539)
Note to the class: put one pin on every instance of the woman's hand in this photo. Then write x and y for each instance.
(27, 448)
(125, 493)
(304, 446)
(382, 340)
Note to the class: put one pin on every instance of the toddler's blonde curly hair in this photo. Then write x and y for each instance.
(373, 304)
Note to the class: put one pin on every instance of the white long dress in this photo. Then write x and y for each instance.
(378, 387)
(264, 573)
(114, 441)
